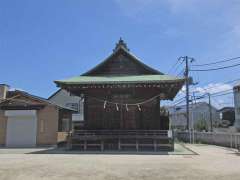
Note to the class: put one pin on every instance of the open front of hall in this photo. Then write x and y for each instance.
(122, 109)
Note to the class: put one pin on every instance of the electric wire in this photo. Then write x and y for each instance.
(215, 69)
(218, 84)
(217, 62)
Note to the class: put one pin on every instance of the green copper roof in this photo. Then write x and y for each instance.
(119, 79)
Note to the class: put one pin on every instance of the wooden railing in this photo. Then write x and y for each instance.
(121, 139)
(163, 133)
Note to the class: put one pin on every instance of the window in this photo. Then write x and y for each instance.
(65, 124)
(73, 106)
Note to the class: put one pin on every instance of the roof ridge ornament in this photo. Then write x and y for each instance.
(121, 44)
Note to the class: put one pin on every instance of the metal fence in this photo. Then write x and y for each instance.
(231, 140)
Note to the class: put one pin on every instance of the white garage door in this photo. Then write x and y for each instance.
(21, 131)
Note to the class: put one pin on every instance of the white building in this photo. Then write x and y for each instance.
(64, 98)
(197, 112)
(236, 91)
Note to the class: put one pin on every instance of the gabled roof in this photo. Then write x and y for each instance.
(114, 70)
(13, 99)
(54, 94)
(121, 48)
(224, 109)
(120, 70)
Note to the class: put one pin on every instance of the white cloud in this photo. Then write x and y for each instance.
(213, 88)
(218, 102)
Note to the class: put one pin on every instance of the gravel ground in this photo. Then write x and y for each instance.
(212, 162)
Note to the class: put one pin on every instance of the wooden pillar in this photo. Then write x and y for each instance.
(159, 123)
(85, 110)
(119, 144)
(137, 145)
(102, 145)
(155, 144)
(85, 145)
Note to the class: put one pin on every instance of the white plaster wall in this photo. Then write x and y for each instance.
(195, 114)
(63, 97)
(237, 108)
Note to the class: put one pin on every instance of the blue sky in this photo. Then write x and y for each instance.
(42, 41)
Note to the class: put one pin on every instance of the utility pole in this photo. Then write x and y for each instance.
(210, 112)
(193, 104)
(187, 90)
(186, 75)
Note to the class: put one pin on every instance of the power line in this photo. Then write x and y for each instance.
(206, 89)
(222, 94)
(176, 69)
(174, 66)
(215, 94)
(225, 82)
(178, 65)
(214, 69)
(221, 91)
(203, 97)
(218, 85)
(179, 102)
(216, 62)
(181, 72)
(180, 99)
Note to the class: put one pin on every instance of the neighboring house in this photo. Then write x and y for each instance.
(236, 91)
(75, 102)
(197, 113)
(27, 120)
(227, 116)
